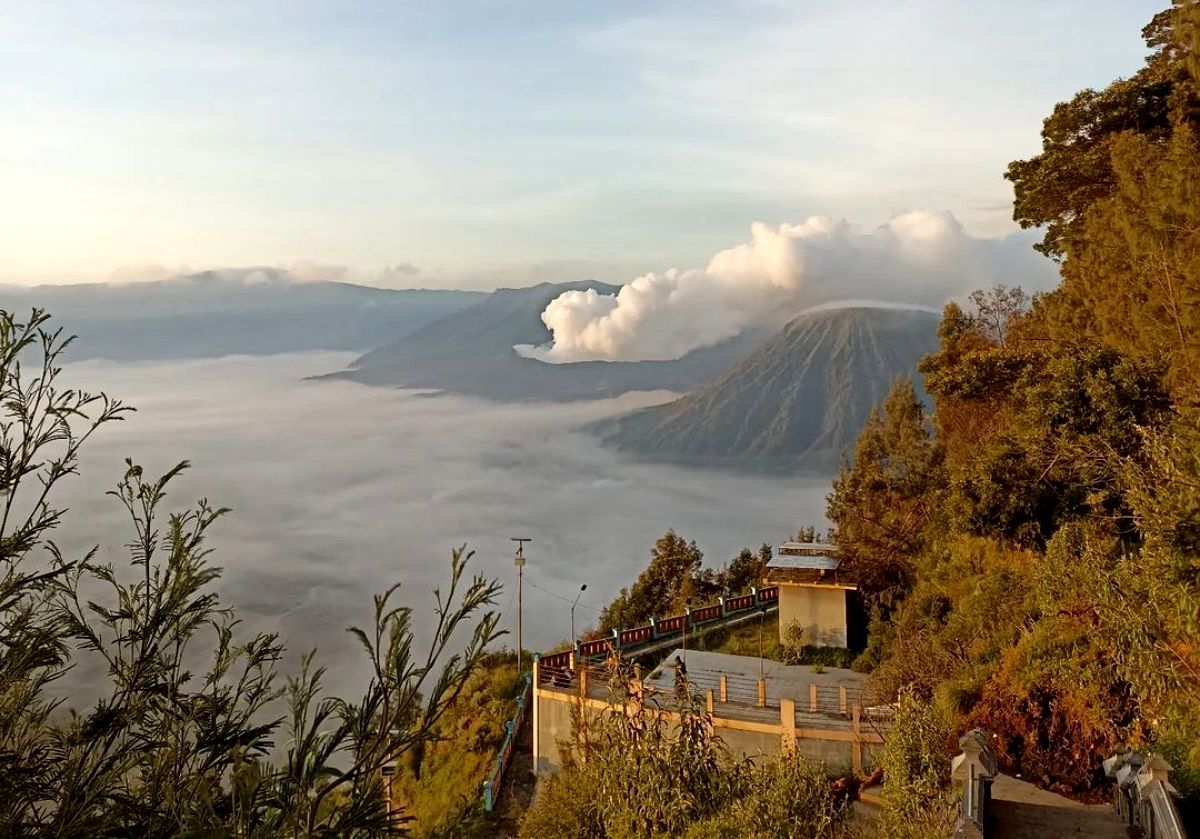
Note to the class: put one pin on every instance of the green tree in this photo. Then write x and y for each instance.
(881, 502)
(673, 575)
(1057, 188)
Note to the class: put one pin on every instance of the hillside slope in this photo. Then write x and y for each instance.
(795, 402)
(233, 311)
(471, 351)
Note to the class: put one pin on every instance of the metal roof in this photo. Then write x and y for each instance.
(807, 548)
(815, 562)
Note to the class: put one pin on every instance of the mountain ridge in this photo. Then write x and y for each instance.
(796, 402)
(472, 351)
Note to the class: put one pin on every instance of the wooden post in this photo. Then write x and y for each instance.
(708, 701)
(762, 693)
(856, 749)
(842, 701)
(537, 679)
(583, 681)
(724, 687)
(812, 697)
(787, 719)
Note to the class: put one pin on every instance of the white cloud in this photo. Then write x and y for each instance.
(921, 257)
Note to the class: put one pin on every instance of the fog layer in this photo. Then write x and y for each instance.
(339, 490)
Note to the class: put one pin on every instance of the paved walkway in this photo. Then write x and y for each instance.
(1022, 811)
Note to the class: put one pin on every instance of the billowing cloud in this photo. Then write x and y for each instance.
(921, 257)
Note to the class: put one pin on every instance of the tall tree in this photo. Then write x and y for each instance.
(672, 576)
(881, 501)
(1056, 188)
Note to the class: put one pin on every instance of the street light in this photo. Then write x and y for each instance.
(687, 616)
(519, 561)
(582, 589)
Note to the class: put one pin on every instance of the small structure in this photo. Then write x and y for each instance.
(816, 596)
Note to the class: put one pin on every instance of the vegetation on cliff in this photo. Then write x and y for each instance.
(1032, 548)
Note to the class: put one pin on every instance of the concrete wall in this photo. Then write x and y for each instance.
(554, 725)
(819, 611)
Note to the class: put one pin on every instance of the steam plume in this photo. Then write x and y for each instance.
(922, 257)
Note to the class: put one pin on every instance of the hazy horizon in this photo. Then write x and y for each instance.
(609, 140)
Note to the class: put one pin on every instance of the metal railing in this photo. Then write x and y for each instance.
(557, 668)
(1143, 795)
(495, 781)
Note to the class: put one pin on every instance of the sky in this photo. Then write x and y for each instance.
(485, 143)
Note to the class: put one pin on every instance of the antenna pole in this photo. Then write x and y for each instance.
(519, 561)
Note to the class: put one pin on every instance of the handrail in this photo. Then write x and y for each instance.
(629, 639)
(1143, 795)
(495, 781)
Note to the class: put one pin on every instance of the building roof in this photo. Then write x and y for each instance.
(808, 549)
(807, 563)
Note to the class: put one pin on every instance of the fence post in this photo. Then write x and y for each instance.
(724, 687)
(787, 719)
(653, 628)
(762, 693)
(536, 679)
(974, 768)
(708, 701)
(813, 707)
(487, 796)
(856, 749)
(842, 701)
(721, 600)
(583, 681)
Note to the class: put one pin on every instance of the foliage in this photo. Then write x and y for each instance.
(166, 750)
(916, 771)
(880, 502)
(675, 576)
(439, 783)
(1056, 189)
(1050, 582)
(640, 773)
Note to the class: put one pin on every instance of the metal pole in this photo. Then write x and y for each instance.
(520, 563)
(760, 661)
(582, 589)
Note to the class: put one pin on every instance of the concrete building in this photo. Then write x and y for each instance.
(816, 597)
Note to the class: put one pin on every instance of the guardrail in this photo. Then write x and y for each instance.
(556, 668)
(1143, 795)
(974, 768)
(495, 781)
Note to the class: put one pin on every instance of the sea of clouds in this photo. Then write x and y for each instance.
(339, 490)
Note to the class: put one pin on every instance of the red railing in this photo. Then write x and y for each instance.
(597, 647)
(737, 604)
(768, 595)
(706, 613)
(668, 625)
(637, 635)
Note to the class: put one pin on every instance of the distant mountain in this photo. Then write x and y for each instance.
(234, 311)
(796, 402)
(471, 351)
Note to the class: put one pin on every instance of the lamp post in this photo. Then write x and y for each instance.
(582, 589)
(519, 561)
(687, 616)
